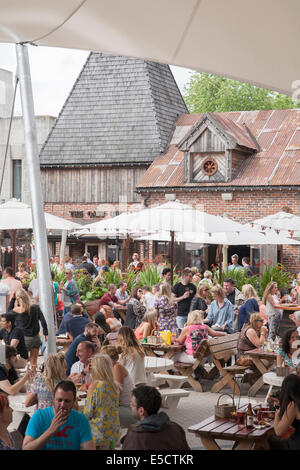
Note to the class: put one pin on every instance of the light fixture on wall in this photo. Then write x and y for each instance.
(227, 196)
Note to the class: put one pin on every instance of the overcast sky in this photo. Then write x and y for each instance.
(53, 73)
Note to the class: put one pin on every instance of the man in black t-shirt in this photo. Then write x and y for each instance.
(14, 336)
(89, 267)
(184, 292)
(9, 380)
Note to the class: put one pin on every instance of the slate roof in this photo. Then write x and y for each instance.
(276, 164)
(120, 110)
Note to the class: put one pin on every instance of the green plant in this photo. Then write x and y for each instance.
(276, 273)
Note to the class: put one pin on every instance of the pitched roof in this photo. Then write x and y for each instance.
(276, 164)
(120, 110)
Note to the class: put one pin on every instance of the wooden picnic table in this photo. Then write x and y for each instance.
(167, 351)
(258, 355)
(288, 307)
(213, 428)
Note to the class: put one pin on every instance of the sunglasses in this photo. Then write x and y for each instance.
(259, 320)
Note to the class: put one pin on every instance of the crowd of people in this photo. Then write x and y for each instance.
(105, 355)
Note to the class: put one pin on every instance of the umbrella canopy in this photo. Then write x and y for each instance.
(223, 238)
(172, 216)
(287, 224)
(108, 227)
(16, 215)
(168, 30)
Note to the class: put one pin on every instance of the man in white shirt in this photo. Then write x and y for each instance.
(80, 370)
(33, 290)
(4, 295)
(148, 297)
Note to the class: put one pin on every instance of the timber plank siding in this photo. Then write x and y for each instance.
(88, 185)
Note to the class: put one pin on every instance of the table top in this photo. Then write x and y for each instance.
(226, 428)
(163, 347)
(156, 364)
(259, 352)
(289, 307)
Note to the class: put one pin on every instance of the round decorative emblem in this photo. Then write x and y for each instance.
(209, 166)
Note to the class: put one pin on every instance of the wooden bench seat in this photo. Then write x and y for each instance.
(189, 369)
(221, 349)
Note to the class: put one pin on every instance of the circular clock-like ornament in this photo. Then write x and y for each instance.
(209, 166)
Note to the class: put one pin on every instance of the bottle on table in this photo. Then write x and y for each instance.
(249, 417)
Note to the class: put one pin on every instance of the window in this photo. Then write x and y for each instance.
(17, 179)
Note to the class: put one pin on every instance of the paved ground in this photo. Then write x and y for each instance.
(200, 405)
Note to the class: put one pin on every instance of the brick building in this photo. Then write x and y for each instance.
(117, 118)
(242, 164)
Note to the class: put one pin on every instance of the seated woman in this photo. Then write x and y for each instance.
(148, 324)
(100, 320)
(43, 385)
(166, 308)
(201, 301)
(252, 335)
(220, 313)
(250, 306)
(111, 320)
(132, 356)
(289, 350)
(8, 440)
(193, 332)
(136, 309)
(123, 378)
(102, 402)
(287, 416)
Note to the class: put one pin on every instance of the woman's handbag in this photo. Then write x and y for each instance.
(225, 410)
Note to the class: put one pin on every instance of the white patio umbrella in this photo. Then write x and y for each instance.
(15, 215)
(287, 224)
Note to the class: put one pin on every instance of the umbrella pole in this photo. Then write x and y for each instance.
(172, 255)
(13, 245)
(37, 204)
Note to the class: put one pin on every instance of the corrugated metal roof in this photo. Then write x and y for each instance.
(276, 131)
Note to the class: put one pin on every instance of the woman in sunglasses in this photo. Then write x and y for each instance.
(201, 301)
(253, 335)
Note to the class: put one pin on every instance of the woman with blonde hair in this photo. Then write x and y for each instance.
(123, 378)
(201, 301)
(102, 402)
(220, 314)
(43, 386)
(270, 300)
(132, 356)
(22, 273)
(148, 324)
(193, 332)
(166, 308)
(28, 318)
(250, 305)
(252, 335)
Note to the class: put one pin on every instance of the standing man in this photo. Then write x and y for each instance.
(88, 266)
(235, 297)
(154, 430)
(10, 281)
(4, 295)
(235, 263)
(184, 292)
(135, 261)
(247, 267)
(96, 263)
(59, 427)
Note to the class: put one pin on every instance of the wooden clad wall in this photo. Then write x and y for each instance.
(102, 184)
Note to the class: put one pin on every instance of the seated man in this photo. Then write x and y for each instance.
(62, 327)
(14, 336)
(110, 298)
(154, 431)
(76, 322)
(59, 427)
(9, 379)
(121, 293)
(80, 370)
(91, 333)
(148, 298)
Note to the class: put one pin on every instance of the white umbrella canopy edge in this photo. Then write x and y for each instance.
(167, 31)
(285, 222)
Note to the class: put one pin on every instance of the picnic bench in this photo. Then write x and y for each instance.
(170, 399)
(222, 348)
(188, 370)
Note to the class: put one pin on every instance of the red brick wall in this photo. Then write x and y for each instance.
(244, 207)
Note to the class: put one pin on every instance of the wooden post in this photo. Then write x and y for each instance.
(13, 245)
(225, 257)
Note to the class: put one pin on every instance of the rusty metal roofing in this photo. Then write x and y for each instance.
(276, 164)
